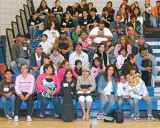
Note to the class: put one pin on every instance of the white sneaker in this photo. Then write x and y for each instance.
(150, 117)
(29, 119)
(15, 118)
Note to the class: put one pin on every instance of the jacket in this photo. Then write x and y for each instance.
(137, 27)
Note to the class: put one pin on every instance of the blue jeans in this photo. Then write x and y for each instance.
(105, 107)
(5, 104)
(121, 102)
(59, 17)
(155, 21)
(148, 105)
(45, 102)
(35, 74)
(69, 33)
(14, 65)
(75, 21)
(115, 36)
(34, 31)
(74, 104)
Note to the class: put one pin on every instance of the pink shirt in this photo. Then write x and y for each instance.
(62, 71)
(40, 86)
(94, 72)
(118, 47)
(25, 85)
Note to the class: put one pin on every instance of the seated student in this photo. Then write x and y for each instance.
(110, 51)
(155, 14)
(137, 14)
(97, 69)
(63, 67)
(138, 91)
(34, 23)
(48, 87)
(64, 44)
(133, 72)
(51, 32)
(92, 52)
(56, 57)
(7, 94)
(27, 38)
(58, 10)
(121, 58)
(143, 55)
(69, 81)
(109, 6)
(36, 60)
(43, 10)
(76, 34)
(101, 52)
(24, 88)
(71, 10)
(90, 5)
(131, 9)
(78, 55)
(46, 46)
(47, 60)
(78, 67)
(123, 42)
(117, 28)
(85, 80)
(107, 17)
(67, 24)
(135, 24)
(124, 15)
(123, 95)
(130, 61)
(93, 19)
(84, 20)
(20, 53)
(136, 4)
(86, 42)
(107, 87)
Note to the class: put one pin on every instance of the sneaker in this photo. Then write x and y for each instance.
(29, 119)
(132, 117)
(9, 117)
(102, 117)
(150, 117)
(16, 119)
(136, 117)
(98, 116)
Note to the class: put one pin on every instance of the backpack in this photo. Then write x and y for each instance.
(118, 116)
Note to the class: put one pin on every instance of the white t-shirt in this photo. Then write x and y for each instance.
(120, 61)
(52, 35)
(109, 88)
(122, 89)
(46, 46)
(96, 30)
(38, 60)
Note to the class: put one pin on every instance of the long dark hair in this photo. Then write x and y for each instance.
(47, 57)
(129, 57)
(100, 60)
(60, 7)
(46, 67)
(114, 73)
(48, 26)
(40, 6)
(102, 43)
(68, 70)
(63, 63)
(138, 10)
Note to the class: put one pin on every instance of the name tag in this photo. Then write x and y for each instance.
(46, 10)
(55, 10)
(6, 89)
(32, 23)
(85, 22)
(65, 85)
(24, 48)
(80, 14)
(64, 24)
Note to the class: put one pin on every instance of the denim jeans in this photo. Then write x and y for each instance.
(59, 17)
(14, 65)
(45, 102)
(29, 104)
(148, 105)
(105, 107)
(5, 104)
(74, 104)
(155, 21)
(69, 33)
(75, 21)
(35, 74)
(115, 36)
(34, 31)
(121, 102)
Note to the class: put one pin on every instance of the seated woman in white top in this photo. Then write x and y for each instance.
(51, 32)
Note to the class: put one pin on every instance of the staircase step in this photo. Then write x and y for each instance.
(157, 59)
(154, 43)
(156, 51)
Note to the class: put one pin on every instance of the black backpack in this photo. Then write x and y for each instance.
(118, 116)
(68, 110)
(147, 76)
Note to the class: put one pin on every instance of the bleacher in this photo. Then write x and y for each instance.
(20, 26)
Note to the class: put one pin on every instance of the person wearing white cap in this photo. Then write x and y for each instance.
(85, 85)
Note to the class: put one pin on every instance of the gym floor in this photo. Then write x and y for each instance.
(93, 123)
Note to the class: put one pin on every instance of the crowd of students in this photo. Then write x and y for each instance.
(78, 49)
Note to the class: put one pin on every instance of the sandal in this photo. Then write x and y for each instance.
(87, 117)
(84, 116)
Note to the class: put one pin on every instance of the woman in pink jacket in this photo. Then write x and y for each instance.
(24, 88)
(122, 43)
(48, 85)
(62, 69)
